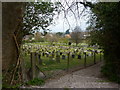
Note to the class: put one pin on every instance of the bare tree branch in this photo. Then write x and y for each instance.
(72, 12)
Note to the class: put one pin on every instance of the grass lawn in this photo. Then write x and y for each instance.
(48, 64)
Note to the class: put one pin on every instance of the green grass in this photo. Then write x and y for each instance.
(26, 59)
(103, 81)
(49, 65)
(53, 65)
(35, 81)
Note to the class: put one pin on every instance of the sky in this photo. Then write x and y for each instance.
(62, 27)
(61, 24)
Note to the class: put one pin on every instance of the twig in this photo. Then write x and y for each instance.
(72, 12)
(15, 71)
(65, 15)
(18, 61)
(16, 41)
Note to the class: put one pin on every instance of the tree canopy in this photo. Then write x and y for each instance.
(38, 15)
(76, 35)
(105, 31)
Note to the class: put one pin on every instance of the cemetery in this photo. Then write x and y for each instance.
(48, 58)
(60, 44)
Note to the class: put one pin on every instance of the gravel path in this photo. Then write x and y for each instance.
(85, 78)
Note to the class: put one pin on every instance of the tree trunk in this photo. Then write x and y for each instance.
(11, 23)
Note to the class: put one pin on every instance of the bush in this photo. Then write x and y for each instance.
(109, 72)
(36, 81)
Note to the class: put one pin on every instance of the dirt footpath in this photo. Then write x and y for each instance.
(85, 78)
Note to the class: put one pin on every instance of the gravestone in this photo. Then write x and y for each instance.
(77, 50)
(47, 55)
(53, 55)
(69, 43)
(50, 57)
(60, 53)
(74, 51)
(79, 56)
(89, 54)
(43, 54)
(96, 51)
(73, 56)
(63, 56)
(53, 51)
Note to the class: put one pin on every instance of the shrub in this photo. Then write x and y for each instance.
(108, 71)
(36, 81)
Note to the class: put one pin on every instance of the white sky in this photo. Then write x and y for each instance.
(61, 25)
